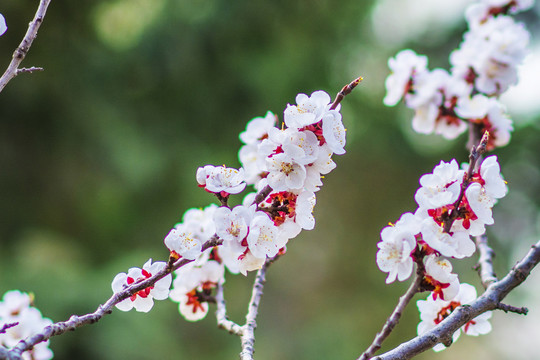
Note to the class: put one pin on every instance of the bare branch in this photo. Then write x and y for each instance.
(490, 300)
(24, 46)
(29, 70)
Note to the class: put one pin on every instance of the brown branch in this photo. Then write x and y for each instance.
(24, 46)
(392, 321)
(490, 300)
(346, 90)
(76, 321)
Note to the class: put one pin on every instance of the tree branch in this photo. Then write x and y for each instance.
(346, 90)
(490, 300)
(24, 46)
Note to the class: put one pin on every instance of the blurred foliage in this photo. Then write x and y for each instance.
(99, 152)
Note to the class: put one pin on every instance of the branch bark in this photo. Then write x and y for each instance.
(23, 48)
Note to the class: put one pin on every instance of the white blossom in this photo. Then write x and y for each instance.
(308, 109)
(405, 66)
(442, 187)
(142, 300)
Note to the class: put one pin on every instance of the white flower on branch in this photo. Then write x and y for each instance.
(433, 312)
(444, 284)
(442, 187)
(405, 67)
(221, 180)
(192, 284)
(308, 111)
(457, 244)
(183, 242)
(142, 300)
(257, 129)
(397, 243)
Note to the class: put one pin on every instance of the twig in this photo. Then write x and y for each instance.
(7, 326)
(221, 315)
(248, 334)
(485, 261)
(490, 300)
(509, 308)
(474, 158)
(75, 321)
(29, 70)
(24, 46)
(392, 321)
(346, 90)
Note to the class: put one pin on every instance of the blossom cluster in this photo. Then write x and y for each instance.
(482, 68)
(455, 203)
(285, 163)
(20, 320)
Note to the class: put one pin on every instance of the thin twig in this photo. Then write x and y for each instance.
(485, 261)
(221, 315)
(29, 70)
(24, 46)
(248, 334)
(346, 90)
(7, 326)
(490, 300)
(509, 308)
(392, 321)
(76, 321)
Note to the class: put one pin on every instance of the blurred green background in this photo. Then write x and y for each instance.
(98, 155)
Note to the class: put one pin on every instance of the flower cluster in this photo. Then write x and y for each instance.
(455, 203)
(482, 68)
(21, 320)
(285, 164)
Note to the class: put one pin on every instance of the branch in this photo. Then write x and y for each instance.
(24, 46)
(75, 321)
(248, 334)
(392, 321)
(490, 300)
(474, 157)
(7, 326)
(485, 261)
(221, 315)
(346, 90)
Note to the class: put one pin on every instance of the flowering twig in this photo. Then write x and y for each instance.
(23, 48)
(485, 261)
(490, 300)
(76, 321)
(474, 158)
(391, 322)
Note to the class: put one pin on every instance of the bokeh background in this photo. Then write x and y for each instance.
(98, 155)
